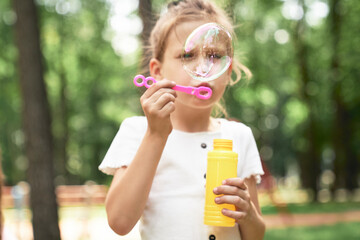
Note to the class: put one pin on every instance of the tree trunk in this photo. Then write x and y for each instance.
(36, 123)
(148, 21)
(346, 164)
(310, 160)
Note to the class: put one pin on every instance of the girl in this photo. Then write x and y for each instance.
(159, 160)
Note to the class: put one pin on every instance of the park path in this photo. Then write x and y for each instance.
(284, 220)
(97, 228)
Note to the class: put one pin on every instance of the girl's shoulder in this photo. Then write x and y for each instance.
(231, 125)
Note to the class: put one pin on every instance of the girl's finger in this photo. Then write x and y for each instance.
(233, 214)
(163, 100)
(232, 190)
(167, 109)
(235, 200)
(162, 96)
(238, 182)
(158, 85)
(154, 98)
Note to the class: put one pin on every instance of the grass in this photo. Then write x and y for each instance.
(339, 231)
(330, 207)
(348, 231)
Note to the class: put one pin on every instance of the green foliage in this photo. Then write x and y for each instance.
(95, 83)
(11, 137)
(89, 88)
(332, 232)
(273, 102)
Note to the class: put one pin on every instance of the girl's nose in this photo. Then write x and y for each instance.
(204, 66)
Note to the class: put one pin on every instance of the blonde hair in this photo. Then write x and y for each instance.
(187, 11)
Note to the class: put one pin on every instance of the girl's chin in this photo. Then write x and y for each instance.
(202, 103)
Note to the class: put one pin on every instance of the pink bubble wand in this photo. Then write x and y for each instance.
(200, 92)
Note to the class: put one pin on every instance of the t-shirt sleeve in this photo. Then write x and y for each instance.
(251, 158)
(125, 145)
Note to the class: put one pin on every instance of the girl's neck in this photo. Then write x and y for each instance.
(194, 120)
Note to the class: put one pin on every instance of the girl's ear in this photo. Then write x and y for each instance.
(155, 69)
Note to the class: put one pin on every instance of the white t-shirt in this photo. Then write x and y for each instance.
(175, 206)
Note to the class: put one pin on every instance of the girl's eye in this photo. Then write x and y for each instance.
(187, 55)
(215, 55)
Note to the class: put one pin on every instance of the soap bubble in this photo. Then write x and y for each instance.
(207, 52)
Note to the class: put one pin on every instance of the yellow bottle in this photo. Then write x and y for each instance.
(221, 164)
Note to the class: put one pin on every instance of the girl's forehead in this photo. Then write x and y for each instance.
(182, 30)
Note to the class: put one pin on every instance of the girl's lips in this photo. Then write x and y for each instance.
(204, 84)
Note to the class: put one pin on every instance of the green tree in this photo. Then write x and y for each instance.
(148, 21)
(346, 164)
(11, 137)
(301, 117)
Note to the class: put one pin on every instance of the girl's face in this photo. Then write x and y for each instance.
(171, 68)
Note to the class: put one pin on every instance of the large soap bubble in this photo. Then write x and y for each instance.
(207, 52)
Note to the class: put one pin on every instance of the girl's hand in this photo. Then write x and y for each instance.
(235, 192)
(158, 103)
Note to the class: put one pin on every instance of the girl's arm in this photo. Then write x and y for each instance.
(129, 190)
(243, 194)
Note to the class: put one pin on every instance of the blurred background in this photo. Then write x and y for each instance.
(66, 70)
